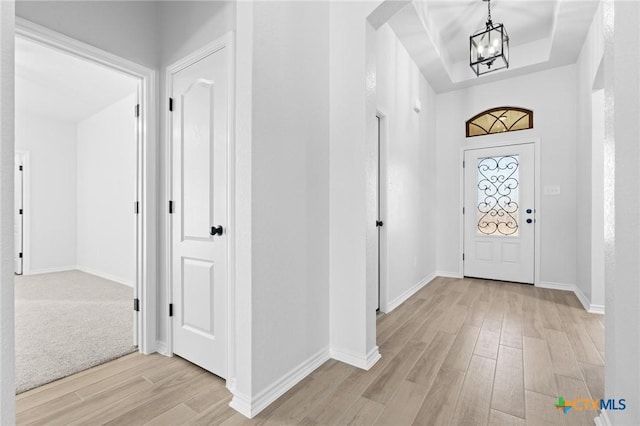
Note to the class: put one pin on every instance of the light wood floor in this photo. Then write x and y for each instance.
(463, 352)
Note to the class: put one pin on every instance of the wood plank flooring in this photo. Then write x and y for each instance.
(460, 351)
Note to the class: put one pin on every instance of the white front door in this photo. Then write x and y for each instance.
(18, 224)
(199, 142)
(499, 213)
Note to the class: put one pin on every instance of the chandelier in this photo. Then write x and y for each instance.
(489, 47)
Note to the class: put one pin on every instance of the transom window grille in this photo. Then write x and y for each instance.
(500, 120)
(498, 210)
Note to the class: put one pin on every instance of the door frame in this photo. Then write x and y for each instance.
(381, 202)
(537, 193)
(25, 209)
(26, 266)
(225, 41)
(146, 263)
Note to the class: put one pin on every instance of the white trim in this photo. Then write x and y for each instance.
(537, 195)
(106, 276)
(162, 349)
(372, 358)
(146, 236)
(408, 293)
(362, 362)
(603, 419)
(225, 41)
(446, 274)
(382, 200)
(556, 286)
(588, 306)
(249, 407)
(26, 211)
(50, 270)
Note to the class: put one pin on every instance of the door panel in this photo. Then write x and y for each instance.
(199, 140)
(499, 213)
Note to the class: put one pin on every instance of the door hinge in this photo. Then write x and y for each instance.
(136, 305)
(20, 168)
(463, 164)
(136, 207)
(462, 256)
(170, 309)
(170, 207)
(20, 255)
(137, 110)
(463, 210)
(170, 104)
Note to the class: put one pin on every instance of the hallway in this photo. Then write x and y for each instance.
(460, 351)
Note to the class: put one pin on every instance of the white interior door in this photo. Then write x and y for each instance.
(499, 213)
(199, 141)
(18, 226)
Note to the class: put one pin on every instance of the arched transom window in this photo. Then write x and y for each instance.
(500, 120)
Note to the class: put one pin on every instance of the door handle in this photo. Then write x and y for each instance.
(379, 223)
(529, 220)
(216, 230)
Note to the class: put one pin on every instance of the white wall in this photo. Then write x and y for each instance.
(106, 179)
(7, 162)
(125, 28)
(590, 203)
(351, 336)
(52, 199)
(552, 97)
(290, 194)
(622, 208)
(409, 159)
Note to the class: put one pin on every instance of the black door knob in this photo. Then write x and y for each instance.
(216, 230)
(529, 220)
(379, 223)
(529, 211)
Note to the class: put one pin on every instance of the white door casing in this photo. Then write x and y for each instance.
(200, 132)
(499, 213)
(19, 213)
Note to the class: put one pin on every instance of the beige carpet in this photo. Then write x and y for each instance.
(67, 322)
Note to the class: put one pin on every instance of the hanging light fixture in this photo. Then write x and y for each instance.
(489, 47)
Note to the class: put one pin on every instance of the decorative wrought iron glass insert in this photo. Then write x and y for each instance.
(500, 120)
(498, 211)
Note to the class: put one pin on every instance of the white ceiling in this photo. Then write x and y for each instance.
(64, 87)
(543, 34)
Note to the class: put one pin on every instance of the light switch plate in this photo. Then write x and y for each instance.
(552, 190)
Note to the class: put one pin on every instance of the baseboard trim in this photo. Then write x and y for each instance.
(242, 404)
(556, 286)
(372, 357)
(250, 407)
(446, 274)
(588, 306)
(162, 348)
(603, 419)
(408, 293)
(106, 276)
(50, 270)
(356, 360)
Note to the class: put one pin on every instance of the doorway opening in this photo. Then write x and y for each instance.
(82, 138)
